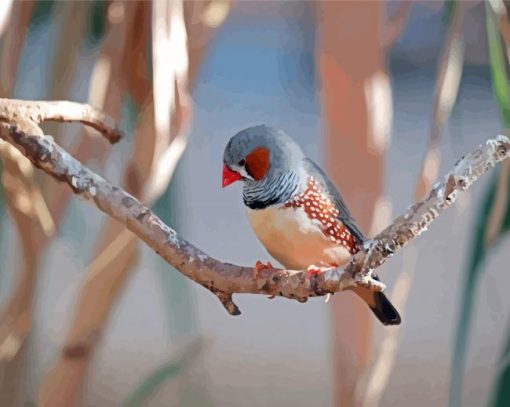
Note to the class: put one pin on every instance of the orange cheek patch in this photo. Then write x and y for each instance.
(257, 163)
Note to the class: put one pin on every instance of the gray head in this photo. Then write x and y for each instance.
(267, 160)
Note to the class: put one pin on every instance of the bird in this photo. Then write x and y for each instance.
(295, 210)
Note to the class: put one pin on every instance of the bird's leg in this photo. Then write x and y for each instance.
(259, 266)
(315, 270)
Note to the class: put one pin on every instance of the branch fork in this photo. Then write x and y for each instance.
(17, 119)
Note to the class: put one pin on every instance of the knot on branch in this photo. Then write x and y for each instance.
(226, 300)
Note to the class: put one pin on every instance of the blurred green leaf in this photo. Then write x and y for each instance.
(478, 250)
(468, 296)
(96, 22)
(41, 12)
(168, 371)
(501, 393)
(153, 382)
(498, 67)
(449, 7)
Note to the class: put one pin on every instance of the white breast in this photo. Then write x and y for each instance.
(294, 239)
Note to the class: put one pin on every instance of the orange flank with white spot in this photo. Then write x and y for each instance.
(319, 207)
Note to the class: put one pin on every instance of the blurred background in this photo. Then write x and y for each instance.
(386, 95)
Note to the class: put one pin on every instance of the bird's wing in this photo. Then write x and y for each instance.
(344, 215)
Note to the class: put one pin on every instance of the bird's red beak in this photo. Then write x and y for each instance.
(229, 176)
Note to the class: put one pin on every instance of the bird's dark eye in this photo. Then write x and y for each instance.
(241, 163)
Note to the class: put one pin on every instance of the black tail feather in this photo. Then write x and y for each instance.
(384, 310)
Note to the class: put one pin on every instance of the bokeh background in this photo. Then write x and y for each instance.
(386, 95)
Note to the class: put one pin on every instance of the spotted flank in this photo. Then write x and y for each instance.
(319, 207)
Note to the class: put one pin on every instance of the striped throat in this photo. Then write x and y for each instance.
(271, 190)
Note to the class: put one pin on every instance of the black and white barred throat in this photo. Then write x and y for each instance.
(270, 191)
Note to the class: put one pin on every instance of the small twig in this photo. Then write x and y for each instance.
(61, 111)
(225, 279)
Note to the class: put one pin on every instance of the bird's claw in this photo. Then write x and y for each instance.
(314, 270)
(259, 266)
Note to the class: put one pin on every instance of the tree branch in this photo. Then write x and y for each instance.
(225, 279)
(13, 110)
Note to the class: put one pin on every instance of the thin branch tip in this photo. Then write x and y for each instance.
(24, 111)
(227, 302)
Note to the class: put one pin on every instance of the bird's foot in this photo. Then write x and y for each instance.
(314, 270)
(259, 266)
